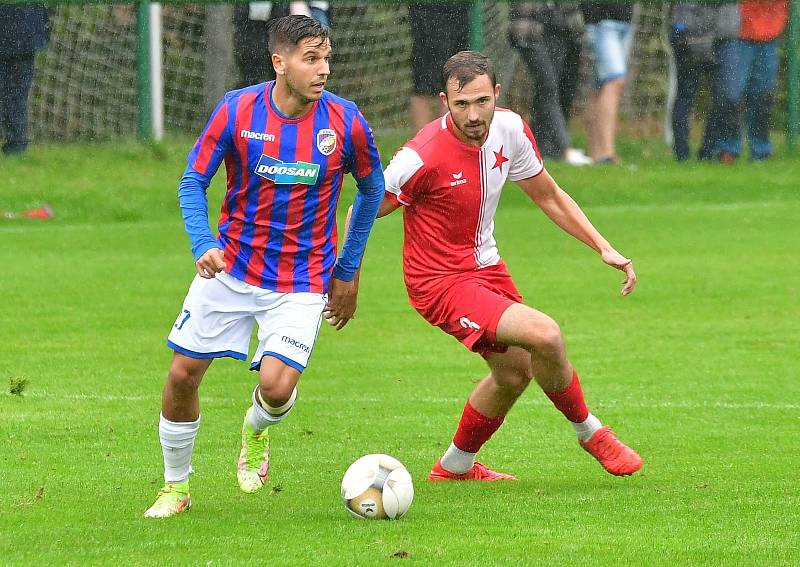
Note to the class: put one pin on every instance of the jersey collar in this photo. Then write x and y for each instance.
(279, 115)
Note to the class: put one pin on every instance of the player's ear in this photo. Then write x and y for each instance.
(497, 91)
(278, 63)
(443, 98)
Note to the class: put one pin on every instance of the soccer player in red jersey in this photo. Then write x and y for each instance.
(448, 180)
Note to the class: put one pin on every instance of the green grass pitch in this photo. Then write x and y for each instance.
(698, 370)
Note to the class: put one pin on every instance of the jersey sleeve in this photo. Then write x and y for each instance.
(364, 158)
(404, 176)
(526, 162)
(214, 142)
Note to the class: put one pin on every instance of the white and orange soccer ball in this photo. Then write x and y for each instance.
(377, 486)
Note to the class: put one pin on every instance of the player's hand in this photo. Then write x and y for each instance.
(210, 263)
(341, 306)
(620, 262)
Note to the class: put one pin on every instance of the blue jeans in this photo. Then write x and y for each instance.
(748, 75)
(690, 74)
(553, 71)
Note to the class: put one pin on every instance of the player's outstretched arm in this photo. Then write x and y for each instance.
(565, 212)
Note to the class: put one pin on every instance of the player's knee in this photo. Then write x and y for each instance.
(546, 338)
(518, 382)
(185, 377)
(513, 380)
(276, 391)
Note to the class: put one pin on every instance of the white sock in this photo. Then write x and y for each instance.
(587, 428)
(457, 461)
(264, 415)
(177, 443)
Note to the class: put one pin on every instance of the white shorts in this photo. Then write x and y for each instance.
(218, 315)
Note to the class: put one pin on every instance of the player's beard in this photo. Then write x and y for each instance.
(305, 97)
(476, 133)
(473, 132)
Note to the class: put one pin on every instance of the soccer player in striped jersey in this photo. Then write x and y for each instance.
(448, 180)
(286, 145)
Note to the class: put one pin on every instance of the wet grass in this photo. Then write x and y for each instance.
(697, 370)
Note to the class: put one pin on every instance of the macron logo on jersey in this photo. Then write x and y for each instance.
(263, 136)
(287, 173)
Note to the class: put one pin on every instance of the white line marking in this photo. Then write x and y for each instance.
(28, 226)
(441, 400)
(691, 207)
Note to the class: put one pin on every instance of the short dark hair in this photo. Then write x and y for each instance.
(465, 66)
(288, 31)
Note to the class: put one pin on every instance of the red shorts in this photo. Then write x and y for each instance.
(469, 305)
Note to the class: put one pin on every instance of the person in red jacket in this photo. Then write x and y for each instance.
(749, 72)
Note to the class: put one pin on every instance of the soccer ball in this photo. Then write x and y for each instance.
(377, 486)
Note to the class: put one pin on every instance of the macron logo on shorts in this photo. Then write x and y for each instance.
(295, 343)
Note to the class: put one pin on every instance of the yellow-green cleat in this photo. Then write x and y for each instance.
(172, 499)
(253, 467)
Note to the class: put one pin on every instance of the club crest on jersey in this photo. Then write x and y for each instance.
(326, 141)
(289, 173)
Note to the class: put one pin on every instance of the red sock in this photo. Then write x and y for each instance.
(570, 401)
(475, 429)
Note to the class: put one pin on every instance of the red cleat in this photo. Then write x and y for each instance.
(616, 457)
(477, 472)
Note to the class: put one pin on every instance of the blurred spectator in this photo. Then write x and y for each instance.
(696, 31)
(610, 35)
(250, 21)
(23, 31)
(321, 11)
(437, 31)
(749, 70)
(548, 38)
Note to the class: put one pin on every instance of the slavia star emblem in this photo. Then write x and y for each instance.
(499, 159)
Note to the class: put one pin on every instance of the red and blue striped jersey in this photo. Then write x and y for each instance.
(284, 177)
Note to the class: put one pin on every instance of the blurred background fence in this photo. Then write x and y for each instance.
(86, 83)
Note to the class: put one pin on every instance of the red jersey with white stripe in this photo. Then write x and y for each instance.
(450, 191)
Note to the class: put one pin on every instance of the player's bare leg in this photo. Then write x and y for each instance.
(177, 429)
(273, 398)
(180, 400)
(423, 109)
(603, 121)
(537, 333)
(509, 375)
